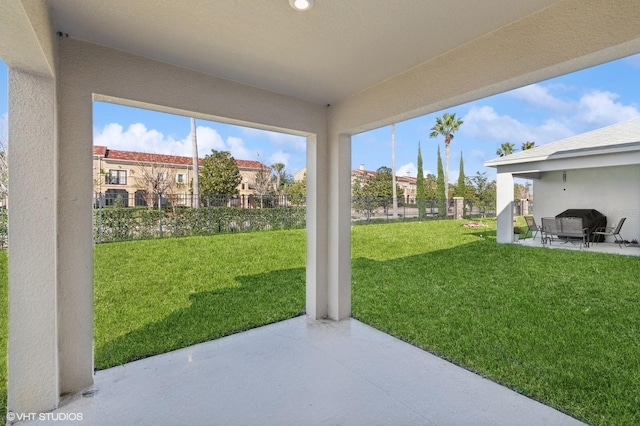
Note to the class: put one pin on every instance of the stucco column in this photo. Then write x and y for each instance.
(329, 227)
(504, 207)
(458, 207)
(339, 227)
(317, 219)
(75, 231)
(33, 335)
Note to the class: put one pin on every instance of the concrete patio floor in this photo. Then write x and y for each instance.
(612, 248)
(301, 372)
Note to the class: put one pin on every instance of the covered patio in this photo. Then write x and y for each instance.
(301, 371)
(606, 247)
(335, 70)
(595, 170)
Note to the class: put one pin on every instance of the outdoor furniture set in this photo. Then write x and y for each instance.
(574, 229)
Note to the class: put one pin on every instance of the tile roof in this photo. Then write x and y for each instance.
(145, 157)
(623, 136)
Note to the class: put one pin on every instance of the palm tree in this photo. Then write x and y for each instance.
(446, 126)
(506, 149)
(528, 145)
(278, 169)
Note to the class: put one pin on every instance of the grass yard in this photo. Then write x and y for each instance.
(560, 326)
(154, 296)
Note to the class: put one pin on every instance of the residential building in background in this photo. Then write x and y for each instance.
(132, 175)
(406, 183)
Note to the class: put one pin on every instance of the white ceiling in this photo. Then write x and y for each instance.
(336, 49)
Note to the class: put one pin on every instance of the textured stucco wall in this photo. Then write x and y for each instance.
(33, 345)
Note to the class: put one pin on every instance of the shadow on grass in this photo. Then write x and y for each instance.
(544, 322)
(258, 300)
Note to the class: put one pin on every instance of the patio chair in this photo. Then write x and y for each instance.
(548, 230)
(570, 229)
(533, 227)
(611, 231)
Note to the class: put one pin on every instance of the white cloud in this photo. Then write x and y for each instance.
(409, 167)
(138, 138)
(601, 108)
(412, 169)
(595, 107)
(485, 124)
(285, 140)
(239, 150)
(280, 157)
(539, 95)
(208, 139)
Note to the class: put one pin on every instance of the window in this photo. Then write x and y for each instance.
(180, 178)
(117, 177)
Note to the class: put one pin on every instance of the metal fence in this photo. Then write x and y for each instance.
(380, 209)
(117, 218)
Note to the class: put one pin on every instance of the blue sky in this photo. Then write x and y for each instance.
(542, 112)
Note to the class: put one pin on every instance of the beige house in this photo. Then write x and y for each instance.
(406, 183)
(129, 175)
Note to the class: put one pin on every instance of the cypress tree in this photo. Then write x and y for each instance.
(420, 190)
(442, 200)
(462, 186)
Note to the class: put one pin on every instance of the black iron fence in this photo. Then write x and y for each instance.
(377, 209)
(117, 218)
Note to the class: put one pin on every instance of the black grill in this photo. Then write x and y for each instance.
(591, 219)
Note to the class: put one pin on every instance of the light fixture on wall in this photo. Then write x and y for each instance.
(564, 177)
(301, 4)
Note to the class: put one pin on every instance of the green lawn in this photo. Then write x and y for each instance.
(560, 326)
(157, 295)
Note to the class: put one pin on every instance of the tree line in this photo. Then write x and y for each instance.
(477, 189)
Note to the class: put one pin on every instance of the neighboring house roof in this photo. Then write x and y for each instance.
(144, 157)
(362, 173)
(621, 137)
(407, 179)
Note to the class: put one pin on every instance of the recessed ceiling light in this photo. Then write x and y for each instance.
(301, 4)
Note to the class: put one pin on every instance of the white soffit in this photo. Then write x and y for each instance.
(336, 49)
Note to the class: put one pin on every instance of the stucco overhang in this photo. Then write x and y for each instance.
(374, 62)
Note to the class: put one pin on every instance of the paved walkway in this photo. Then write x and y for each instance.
(302, 372)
